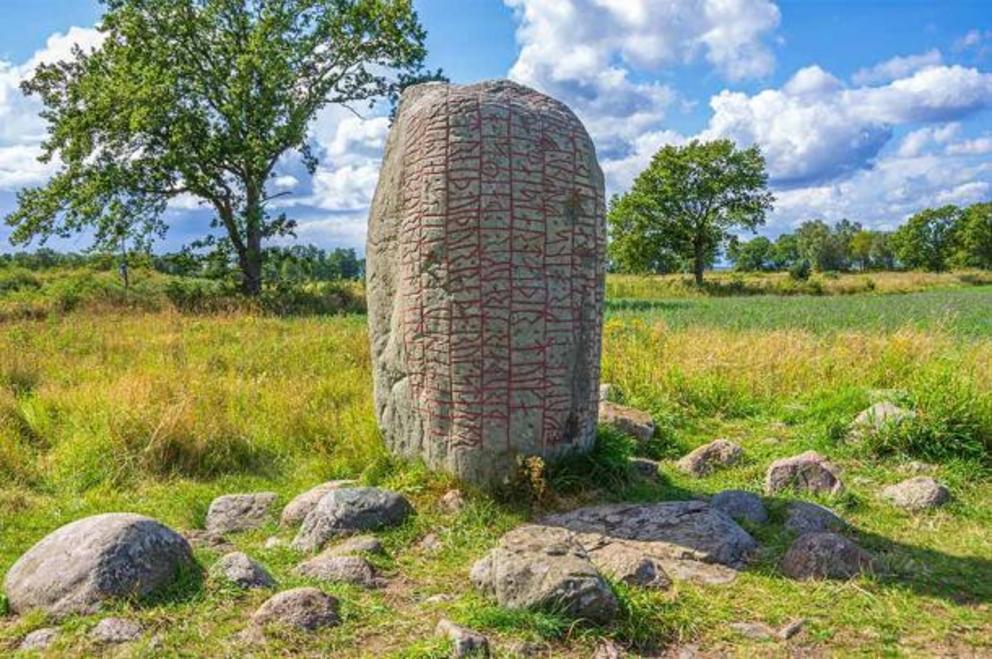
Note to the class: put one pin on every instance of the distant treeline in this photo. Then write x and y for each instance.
(296, 264)
(935, 239)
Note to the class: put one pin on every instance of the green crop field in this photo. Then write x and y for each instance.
(120, 403)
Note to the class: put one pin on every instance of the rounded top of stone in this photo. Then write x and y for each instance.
(497, 89)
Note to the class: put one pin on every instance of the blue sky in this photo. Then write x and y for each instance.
(868, 110)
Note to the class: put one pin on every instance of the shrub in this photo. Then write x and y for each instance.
(801, 270)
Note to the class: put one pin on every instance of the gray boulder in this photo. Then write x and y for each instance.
(805, 517)
(645, 468)
(350, 510)
(297, 509)
(80, 565)
(807, 472)
(707, 458)
(464, 641)
(307, 609)
(917, 493)
(240, 512)
(627, 420)
(239, 569)
(630, 564)
(741, 505)
(462, 266)
(344, 569)
(113, 631)
(537, 566)
(39, 639)
(825, 556)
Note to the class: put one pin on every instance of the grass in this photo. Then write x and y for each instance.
(146, 409)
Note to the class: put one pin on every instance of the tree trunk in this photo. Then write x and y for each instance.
(251, 262)
(699, 263)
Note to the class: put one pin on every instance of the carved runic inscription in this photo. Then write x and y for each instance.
(486, 266)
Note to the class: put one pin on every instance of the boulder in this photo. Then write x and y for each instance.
(307, 609)
(825, 556)
(756, 631)
(708, 458)
(627, 420)
(113, 631)
(240, 512)
(741, 505)
(297, 509)
(354, 570)
(808, 472)
(917, 493)
(805, 517)
(464, 641)
(80, 565)
(485, 277)
(350, 510)
(879, 417)
(203, 539)
(39, 639)
(537, 566)
(239, 569)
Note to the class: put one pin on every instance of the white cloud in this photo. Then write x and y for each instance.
(916, 142)
(897, 67)
(977, 147)
(813, 129)
(21, 129)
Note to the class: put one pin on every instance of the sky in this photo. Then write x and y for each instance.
(869, 110)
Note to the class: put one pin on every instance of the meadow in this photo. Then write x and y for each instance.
(134, 401)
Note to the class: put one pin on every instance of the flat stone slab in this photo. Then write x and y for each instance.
(77, 567)
(240, 512)
(918, 493)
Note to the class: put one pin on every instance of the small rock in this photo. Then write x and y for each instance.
(917, 467)
(345, 569)
(526, 649)
(825, 556)
(359, 544)
(453, 501)
(274, 542)
(607, 649)
(240, 512)
(430, 543)
(741, 505)
(440, 598)
(917, 493)
(80, 565)
(239, 569)
(349, 510)
(39, 639)
(537, 566)
(708, 458)
(466, 642)
(116, 630)
(791, 629)
(308, 609)
(608, 392)
(297, 509)
(645, 468)
(879, 417)
(203, 539)
(805, 517)
(627, 420)
(756, 631)
(807, 472)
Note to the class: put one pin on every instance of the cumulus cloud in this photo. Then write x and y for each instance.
(814, 129)
(21, 129)
(897, 67)
(979, 146)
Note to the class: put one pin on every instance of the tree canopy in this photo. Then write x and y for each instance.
(927, 240)
(203, 98)
(685, 204)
